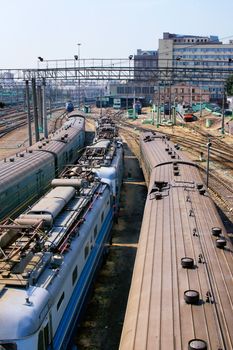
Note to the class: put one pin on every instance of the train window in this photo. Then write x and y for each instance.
(74, 275)
(46, 336)
(86, 252)
(41, 341)
(95, 231)
(60, 301)
(8, 346)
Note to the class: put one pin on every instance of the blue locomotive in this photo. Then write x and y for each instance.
(69, 106)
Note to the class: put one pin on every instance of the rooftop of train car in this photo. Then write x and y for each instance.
(52, 145)
(155, 143)
(181, 295)
(29, 243)
(100, 153)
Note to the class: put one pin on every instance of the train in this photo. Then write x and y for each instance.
(106, 128)
(106, 156)
(69, 106)
(188, 117)
(181, 295)
(137, 106)
(50, 254)
(106, 159)
(27, 175)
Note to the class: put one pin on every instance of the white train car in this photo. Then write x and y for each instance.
(48, 257)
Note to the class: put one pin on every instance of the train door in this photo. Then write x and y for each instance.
(45, 335)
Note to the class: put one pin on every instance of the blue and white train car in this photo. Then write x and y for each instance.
(27, 175)
(69, 106)
(105, 158)
(48, 257)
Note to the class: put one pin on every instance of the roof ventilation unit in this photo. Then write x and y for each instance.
(191, 296)
(221, 242)
(12, 159)
(197, 344)
(216, 231)
(158, 195)
(199, 186)
(187, 263)
(202, 191)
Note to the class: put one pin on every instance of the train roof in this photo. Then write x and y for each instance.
(37, 154)
(154, 144)
(21, 163)
(34, 251)
(100, 153)
(171, 304)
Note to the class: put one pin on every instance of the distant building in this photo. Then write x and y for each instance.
(141, 86)
(182, 93)
(191, 51)
(144, 62)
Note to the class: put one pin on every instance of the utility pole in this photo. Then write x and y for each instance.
(170, 101)
(34, 98)
(158, 109)
(101, 105)
(44, 109)
(209, 144)
(223, 103)
(79, 44)
(28, 113)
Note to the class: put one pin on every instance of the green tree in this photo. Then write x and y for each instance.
(229, 85)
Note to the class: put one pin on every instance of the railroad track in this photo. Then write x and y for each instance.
(20, 120)
(57, 122)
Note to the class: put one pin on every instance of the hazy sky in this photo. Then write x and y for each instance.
(105, 28)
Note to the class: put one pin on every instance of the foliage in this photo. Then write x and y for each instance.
(229, 85)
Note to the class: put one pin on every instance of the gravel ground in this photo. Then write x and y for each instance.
(101, 327)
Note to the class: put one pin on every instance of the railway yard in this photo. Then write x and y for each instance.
(203, 323)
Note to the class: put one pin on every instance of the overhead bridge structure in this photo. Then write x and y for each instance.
(119, 69)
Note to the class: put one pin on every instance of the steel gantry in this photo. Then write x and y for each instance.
(117, 69)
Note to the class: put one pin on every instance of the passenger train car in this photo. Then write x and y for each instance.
(27, 175)
(181, 296)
